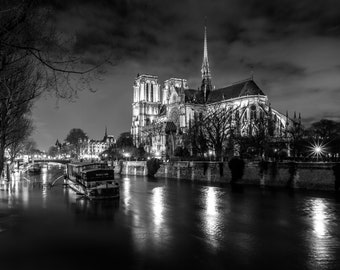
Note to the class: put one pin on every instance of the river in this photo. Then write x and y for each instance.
(165, 224)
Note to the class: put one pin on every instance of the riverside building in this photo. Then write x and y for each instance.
(162, 113)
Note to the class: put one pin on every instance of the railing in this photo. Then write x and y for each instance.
(61, 161)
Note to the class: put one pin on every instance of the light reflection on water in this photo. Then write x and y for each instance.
(126, 193)
(157, 207)
(319, 218)
(161, 219)
(211, 216)
(44, 186)
(321, 247)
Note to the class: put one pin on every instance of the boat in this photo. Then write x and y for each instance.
(34, 168)
(92, 180)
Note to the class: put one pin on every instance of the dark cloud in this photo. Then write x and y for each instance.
(288, 16)
(291, 46)
(129, 29)
(283, 68)
(136, 29)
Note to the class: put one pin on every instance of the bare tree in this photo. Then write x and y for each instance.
(27, 31)
(18, 137)
(194, 137)
(34, 59)
(216, 127)
(18, 88)
(75, 138)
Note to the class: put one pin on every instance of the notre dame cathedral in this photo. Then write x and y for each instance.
(161, 114)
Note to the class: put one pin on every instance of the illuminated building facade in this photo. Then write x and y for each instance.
(161, 114)
(91, 149)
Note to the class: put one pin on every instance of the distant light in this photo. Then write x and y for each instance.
(317, 149)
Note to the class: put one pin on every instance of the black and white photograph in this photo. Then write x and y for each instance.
(158, 134)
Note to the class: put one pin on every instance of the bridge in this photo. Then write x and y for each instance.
(59, 161)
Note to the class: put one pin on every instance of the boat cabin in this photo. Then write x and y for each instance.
(74, 170)
(95, 177)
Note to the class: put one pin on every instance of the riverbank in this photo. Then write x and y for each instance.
(296, 175)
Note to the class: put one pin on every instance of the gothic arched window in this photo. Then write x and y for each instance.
(237, 115)
(152, 92)
(261, 114)
(147, 92)
(253, 112)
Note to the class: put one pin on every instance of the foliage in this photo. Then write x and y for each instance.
(75, 138)
(18, 137)
(52, 151)
(124, 145)
(181, 152)
(141, 153)
(236, 166)
(326, 132)
(153, 165)
(256, 137)
(34, 59)
(325, 129)
(124, 140)
(195, 138)
(216, 127)
(30, 146)
(227, 131)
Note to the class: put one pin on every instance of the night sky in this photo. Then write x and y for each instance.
(292, 47)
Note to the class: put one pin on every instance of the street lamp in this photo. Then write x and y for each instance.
(210, 154)
(158, 155)
(317, 150)
(126, 155)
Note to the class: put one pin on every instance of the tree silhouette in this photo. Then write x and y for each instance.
(76, 137)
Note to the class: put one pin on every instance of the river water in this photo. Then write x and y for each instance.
(165, 224)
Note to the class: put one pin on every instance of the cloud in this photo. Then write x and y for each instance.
(291, 46)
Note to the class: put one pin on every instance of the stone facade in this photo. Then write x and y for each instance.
(309, 176)
(91, 149)
(161, 114)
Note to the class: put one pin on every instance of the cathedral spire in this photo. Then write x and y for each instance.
(206, 76)
(105, 135)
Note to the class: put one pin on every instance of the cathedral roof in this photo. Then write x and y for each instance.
(193, 96)
(243, 88)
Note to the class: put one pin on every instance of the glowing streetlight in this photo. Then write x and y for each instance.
(210, 154)
(317, 150)
(126, 155)
(158, 155)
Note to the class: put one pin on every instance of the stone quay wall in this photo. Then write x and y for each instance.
(313, 176)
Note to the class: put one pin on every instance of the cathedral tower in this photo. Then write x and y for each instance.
(145, 106)
(206, 86)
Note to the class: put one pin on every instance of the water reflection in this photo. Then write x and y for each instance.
(126, 194)
(96, 209)
(13, 190)
(161, 223)
(44, 186)
(319, 217)
(157, 207)
(211, 216)
(321, 242)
